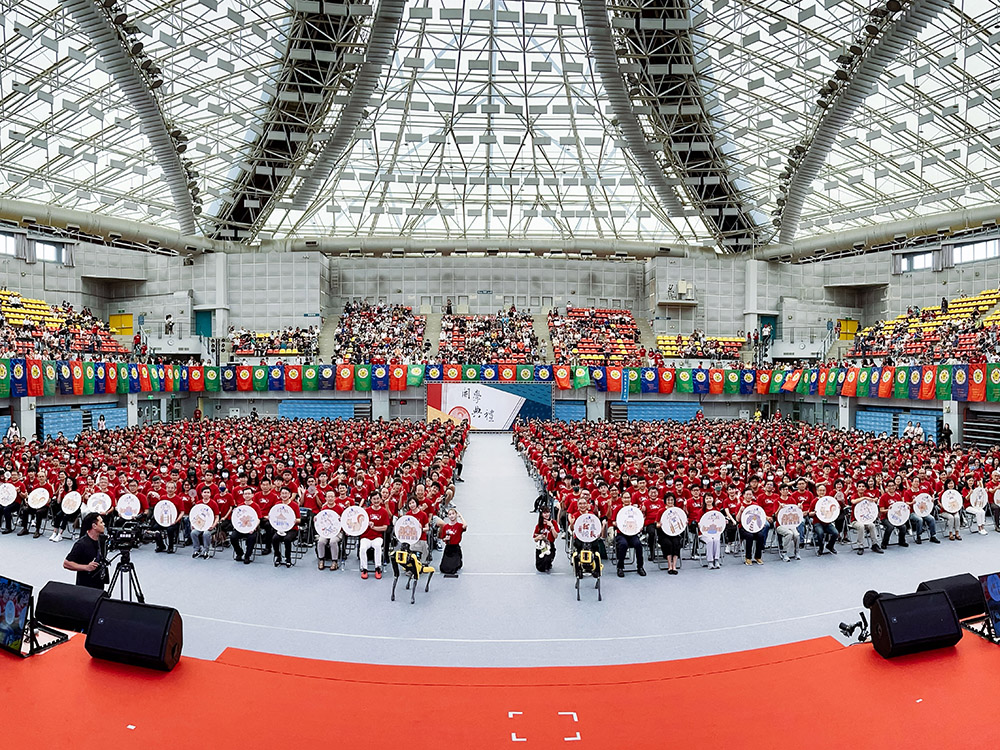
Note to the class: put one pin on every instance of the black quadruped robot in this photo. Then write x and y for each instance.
(406, 562)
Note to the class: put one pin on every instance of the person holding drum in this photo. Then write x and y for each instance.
(917, 519)
(372, 538)
(245, 535)
(327, 546)
(36, 505)
(975, 503)
(788, 525)
(628, 537)
(546, 531)
(282, 536)
(670, 544)
(66, 509)
(822, 529)
(171, 531)
(711, 536)
(754, 526)
(865, 509)
(202, 539)
(892, 495)
(10, 501)
(419, 548)
(951, 508)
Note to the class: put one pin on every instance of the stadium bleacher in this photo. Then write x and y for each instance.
(505, 338)
(595, 336)
(56, 331)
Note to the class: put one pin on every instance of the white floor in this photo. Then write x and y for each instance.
(500, 612)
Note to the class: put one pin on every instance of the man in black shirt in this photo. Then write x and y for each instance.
(86, 554)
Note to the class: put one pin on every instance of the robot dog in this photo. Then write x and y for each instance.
(409, 563)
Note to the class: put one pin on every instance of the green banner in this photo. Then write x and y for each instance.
(942, 390)
(4, 378)
(415, 375)
(89, 371)
(732, 382)
(470, 372)
(634, 379)
(259, 378)
(901, 388)
(777, 380)
(993, 382)
(362, 378)
(581, 376)
(49, 377)
(683, 381)
(525, 372)
(122, 368)
(310, 378)
(864, 381)
(212, 380)
(831, 382)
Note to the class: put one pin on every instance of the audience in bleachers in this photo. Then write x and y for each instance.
(507, 337)
(955, 330)
(289, 342)
(379, 334)
(591, 336)
(699, 346)
(33, 327)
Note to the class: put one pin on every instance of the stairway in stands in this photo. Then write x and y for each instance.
(540, 324)
(432, 331)
(647, 339)
(327, 334)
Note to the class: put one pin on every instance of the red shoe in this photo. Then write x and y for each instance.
(364, 574)
(378, 573)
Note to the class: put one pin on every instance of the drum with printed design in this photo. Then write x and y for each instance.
(790, 515)
(977, 498)
(165, 513)
(128, 506)
(245, 519)
(898, 513)
(712, 523)
(71, 503)
(951, 501)
(327, 523)
(753, 518)
(629, 520)
(587, 528)
(673, 521)
(282, 517)
(923, 505)
(827, 509)
(354, 520)
(99, 502)
(202, 517)
(38, 498)
(866, 511)
(8, 494)
(408, 529)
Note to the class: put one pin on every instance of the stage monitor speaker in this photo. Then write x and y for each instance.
(964, 591)
(911, 623)
(63, 605)
(141, 634)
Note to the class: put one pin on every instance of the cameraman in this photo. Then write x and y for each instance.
(85, 557)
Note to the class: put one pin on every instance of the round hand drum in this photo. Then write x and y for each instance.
(866, 512)
(128, 506)
(71, 503)
(245, 519)
(712, 523)
(629, 520)
(790, 515)
(282, 518)
(951, 501)
(673, 521)
(977, 498)
(99, 502)
(38, 498)
(923, 505)
(165, 513)
(8, 494)
(898, 513)
(587, 528)
(327, 523)
(827, 509)
(753, 519)
(202, 517)
(354, 520)
(408, 529)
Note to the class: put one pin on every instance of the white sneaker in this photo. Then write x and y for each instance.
(52, 536)
(982, 531)
(729, 549)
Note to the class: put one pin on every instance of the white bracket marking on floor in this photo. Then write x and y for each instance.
(513, 735)
(575, 720)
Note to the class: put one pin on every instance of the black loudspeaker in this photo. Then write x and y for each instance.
(63, 605)
(141, 634)
(964, 591)
(911, 623)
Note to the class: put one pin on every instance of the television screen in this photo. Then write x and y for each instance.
(15, 599)
(991, 593)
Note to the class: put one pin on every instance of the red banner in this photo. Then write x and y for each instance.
(851, 382)
(667, 375)
(977, 382)
(452, 373)
(144, 382)
(293, 377)
(397, 378)
(244, 378)
(111, 378)
(886, 382)
(76, 372)
(927, 382)
(792, 381)
(345, 377)
(564, 377)
(716, 380)
(36, 381)
(196, 378)
(614, 378)
(763, 381)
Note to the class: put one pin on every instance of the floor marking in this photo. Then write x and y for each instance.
(569, 713)
(513, 735)
(588, 639)
(572, 739)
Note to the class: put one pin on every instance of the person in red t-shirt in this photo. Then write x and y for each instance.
(892, 495)
(202, 540)
(171, 532)
(39, 481)
(279, 538)
(452, 529)
(372, 539)
(652, 509)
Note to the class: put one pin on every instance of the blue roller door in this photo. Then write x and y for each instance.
(653, 411)
(569, 411)
(316, 409)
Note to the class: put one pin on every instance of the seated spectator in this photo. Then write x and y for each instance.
(379, 334)
(508, 337)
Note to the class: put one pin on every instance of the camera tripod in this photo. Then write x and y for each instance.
(126, 578)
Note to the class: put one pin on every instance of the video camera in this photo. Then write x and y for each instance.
(125, 537)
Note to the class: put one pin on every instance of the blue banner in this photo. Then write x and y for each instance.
(63, 378)
(748, 380)
(229, 378)
(960, 382)
(700, 376)
(275, 378)
(327, 378)
(916, 376)
(490, 373)
(18, 378)
(184, 377)
(813, 376)
(380, 377)
(543, 374)
(598, 378)
(649, 380)
(433, 374)
(100, 377)
(134, 384)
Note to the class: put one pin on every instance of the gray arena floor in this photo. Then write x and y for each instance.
(500, 612)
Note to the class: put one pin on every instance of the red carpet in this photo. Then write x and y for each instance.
(819, 693)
